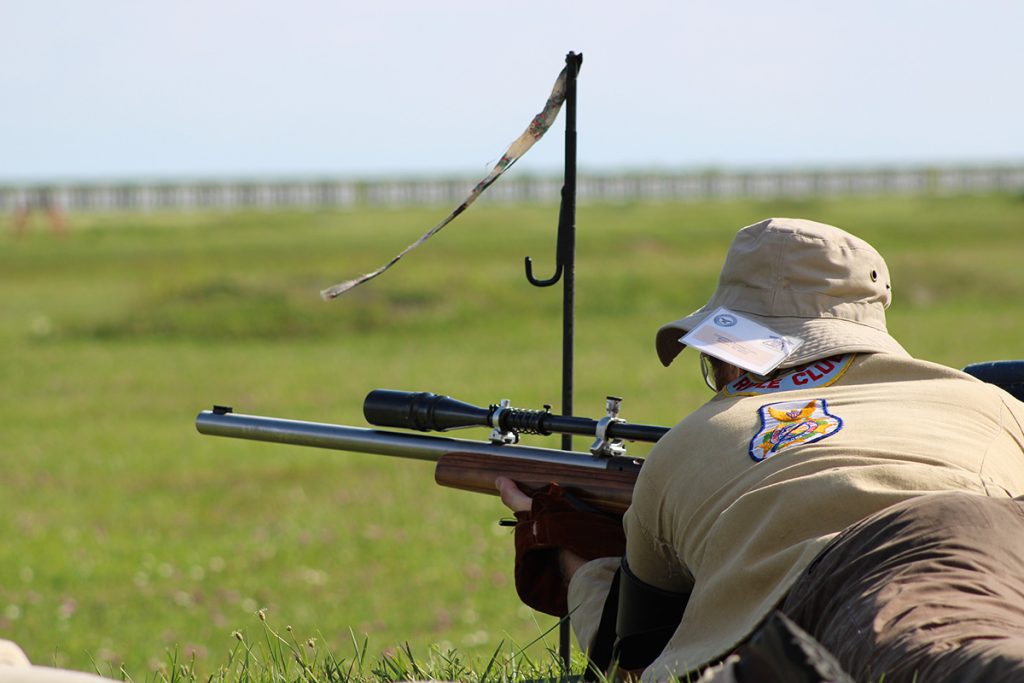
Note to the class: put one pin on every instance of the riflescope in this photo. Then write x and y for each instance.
(428, 412)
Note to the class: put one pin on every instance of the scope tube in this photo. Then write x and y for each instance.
(586, 426)
(425, 411)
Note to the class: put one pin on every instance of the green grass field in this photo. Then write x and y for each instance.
(128, 537)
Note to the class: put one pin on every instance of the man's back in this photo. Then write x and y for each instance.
(742, 495)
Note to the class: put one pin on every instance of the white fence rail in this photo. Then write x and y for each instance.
(213, 194)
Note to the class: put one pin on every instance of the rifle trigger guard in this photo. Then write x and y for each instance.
(498, 435)
(603, 447)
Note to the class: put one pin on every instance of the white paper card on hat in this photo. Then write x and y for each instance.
(740, 341)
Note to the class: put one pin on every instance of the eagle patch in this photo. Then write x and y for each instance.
(792, 423)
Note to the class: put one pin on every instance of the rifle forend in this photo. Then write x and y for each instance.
(603, 482)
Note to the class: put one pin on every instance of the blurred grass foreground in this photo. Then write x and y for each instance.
(134, 546)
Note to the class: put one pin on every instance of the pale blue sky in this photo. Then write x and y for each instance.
(127, 89)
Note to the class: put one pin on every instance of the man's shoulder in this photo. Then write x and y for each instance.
(883, 368)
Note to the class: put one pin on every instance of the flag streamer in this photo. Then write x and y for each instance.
(535, 131)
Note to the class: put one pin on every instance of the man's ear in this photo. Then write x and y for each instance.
(725, 373)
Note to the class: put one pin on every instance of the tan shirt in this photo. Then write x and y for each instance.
(738, 498)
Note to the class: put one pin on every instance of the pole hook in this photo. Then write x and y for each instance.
(559, 253)
(528, 262)
(565, 251)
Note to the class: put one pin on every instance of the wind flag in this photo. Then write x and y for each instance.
(535, 131)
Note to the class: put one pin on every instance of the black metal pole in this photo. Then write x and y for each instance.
(567, 238)
(565, 267)
(567, 235)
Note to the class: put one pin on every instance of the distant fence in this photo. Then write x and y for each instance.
(213, 194)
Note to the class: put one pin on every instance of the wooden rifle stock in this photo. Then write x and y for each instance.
(609, 490)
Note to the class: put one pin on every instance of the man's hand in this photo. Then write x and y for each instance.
(517, 501)
(513, 498)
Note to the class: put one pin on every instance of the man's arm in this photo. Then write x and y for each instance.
(587, 583)
(517, 501)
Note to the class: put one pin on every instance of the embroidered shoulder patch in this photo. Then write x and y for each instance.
(792, 423)
(820, 373)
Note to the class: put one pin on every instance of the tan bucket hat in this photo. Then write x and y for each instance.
(802, 279)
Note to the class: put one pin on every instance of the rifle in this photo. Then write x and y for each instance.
(602, 479)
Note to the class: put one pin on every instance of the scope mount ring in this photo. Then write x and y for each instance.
(603, 447)
(498, 435)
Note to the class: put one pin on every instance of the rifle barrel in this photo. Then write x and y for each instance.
(415, 446)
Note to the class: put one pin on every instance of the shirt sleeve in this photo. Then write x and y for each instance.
(588, 591)
(652, 559)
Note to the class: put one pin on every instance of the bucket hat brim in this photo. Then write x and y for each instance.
(821, 336)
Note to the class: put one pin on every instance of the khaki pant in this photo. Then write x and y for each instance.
(932, 587)
(16, 668)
